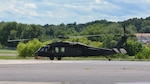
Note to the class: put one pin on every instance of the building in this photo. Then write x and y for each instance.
(143, 37)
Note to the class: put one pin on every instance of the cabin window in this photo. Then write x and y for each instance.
(56, 49)
(59, 49)
(62, 49)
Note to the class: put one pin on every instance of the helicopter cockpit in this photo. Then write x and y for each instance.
(41, 51)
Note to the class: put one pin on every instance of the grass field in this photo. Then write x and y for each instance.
(8, 54)
(8, 51)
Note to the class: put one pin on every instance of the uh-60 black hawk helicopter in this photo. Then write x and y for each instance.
(76, 49)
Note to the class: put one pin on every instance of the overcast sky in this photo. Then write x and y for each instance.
(70, 11)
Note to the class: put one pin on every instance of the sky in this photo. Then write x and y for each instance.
(70, 11)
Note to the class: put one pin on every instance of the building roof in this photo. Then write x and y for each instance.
(143, 37)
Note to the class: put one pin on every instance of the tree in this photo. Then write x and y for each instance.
(13, 34)
(86, 41)
(108, 42)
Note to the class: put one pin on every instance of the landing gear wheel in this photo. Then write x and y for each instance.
(59, 57)
(51, 57)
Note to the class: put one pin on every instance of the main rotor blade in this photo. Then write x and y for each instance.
(87, 36)
(18, 40)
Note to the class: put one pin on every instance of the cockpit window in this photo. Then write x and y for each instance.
(46, 49)
(42, 49)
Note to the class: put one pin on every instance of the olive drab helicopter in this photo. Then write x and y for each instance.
(76, 49)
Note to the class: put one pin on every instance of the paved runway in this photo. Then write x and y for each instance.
(74, 72)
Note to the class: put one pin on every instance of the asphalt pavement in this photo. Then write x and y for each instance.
(74, 72)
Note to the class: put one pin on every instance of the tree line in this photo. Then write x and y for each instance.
(14, 30)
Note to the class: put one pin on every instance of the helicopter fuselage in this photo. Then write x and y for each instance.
(72, 49)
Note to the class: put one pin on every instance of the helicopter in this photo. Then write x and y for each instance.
(76, 49)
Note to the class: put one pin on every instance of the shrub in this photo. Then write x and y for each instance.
(133, 47)
(21, 48)
(144, 54)
(28, 49)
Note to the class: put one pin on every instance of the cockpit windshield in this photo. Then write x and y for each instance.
(42, 49)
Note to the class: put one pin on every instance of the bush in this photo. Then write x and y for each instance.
(144, 54)
(21, 48)
(133, 47)
(28, 49)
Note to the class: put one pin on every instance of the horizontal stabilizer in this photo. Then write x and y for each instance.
(121, 50)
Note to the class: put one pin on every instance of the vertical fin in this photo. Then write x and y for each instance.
(121, 42)
(123, 39)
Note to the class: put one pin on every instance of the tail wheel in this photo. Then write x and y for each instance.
(51, 57)
(59, 57)
(109, 59)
